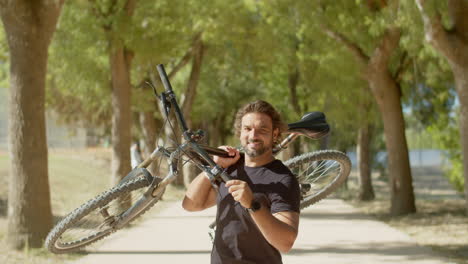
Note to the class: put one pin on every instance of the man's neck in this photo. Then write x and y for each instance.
(258, 161)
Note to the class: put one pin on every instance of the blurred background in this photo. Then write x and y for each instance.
(74, 96)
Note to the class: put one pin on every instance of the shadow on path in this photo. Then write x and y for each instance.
(335, 216)
(410, 251)
(147, 252)
(3, 207)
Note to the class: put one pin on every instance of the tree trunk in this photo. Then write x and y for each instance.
(388, 95)
(453, 45)
(401, 183)
(190, 170)
(293, 81)
(29, 27)
(216, 130)
(149, 127)
(366, 191)
(92, 139)
(364, 160)
(188, 97)
(121, 117)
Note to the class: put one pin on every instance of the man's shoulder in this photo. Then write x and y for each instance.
(281, 172)
(279, 167)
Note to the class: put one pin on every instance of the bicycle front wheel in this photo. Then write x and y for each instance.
(94, 220)
(319, 174)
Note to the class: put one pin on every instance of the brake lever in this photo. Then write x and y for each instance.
(150, 84)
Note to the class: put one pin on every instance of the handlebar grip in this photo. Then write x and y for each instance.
(164, 78)
(215, 151)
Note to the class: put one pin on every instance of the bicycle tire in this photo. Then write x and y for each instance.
(323, 171)
(61, 238)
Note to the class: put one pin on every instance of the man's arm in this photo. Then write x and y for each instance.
(279, 229)
(200, 194)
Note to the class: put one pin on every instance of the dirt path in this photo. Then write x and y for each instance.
(330, 232)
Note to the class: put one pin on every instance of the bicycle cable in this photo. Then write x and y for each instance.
(183, 161)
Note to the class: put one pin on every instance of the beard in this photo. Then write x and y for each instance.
(256, 152)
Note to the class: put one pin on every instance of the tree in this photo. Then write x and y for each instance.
(99, 31)
(451, 41)
(378, 70)
(120, 58)
(363, 149)
(29, 210)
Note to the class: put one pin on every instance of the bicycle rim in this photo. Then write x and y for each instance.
(319, 174)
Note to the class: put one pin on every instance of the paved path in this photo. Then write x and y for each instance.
(330, 232)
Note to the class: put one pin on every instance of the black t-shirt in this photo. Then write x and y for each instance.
(237, 237)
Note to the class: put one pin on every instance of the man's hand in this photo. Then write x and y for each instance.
(226, 162)
(241, 192)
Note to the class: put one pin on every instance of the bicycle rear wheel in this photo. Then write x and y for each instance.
(94, 220)
(319, 174)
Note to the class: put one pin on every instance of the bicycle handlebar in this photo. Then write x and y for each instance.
(164, 78)
(172, 98)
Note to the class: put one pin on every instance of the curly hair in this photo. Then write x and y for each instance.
(262, 107)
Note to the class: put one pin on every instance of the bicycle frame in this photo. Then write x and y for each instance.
(213, 171)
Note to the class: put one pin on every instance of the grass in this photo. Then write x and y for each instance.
(75, 177)
(440, 222)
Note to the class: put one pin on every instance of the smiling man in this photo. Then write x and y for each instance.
(258, 210)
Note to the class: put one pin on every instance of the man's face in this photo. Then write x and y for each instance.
(257, 135)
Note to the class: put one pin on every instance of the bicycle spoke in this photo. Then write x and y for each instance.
(318, 173)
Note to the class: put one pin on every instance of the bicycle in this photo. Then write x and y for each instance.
(319, 174)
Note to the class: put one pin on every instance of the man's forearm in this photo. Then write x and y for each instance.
(279, 234)
(197, 196)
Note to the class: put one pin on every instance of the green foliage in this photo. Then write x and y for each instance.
(418, 136)
(78, 77)
(251, 50)
(4, 60)
(429, 92)
(446, 132)
(454, 173)
(160, 32)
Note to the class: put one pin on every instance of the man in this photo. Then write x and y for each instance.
(258, 210)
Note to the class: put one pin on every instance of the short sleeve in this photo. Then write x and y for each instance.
(287, 197)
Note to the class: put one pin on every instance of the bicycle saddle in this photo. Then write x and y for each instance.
(312, 124)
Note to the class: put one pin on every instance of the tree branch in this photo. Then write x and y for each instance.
(188, 97)
(186, 58)
(351, 46)
(436, 34)
(130, 7)
(402, 66)
(375, 5)
(383, 52)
